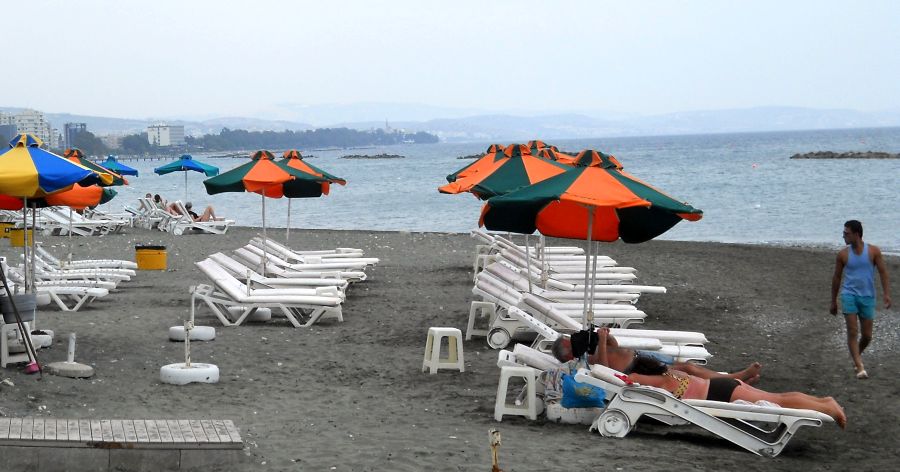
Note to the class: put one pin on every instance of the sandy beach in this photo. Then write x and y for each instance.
(350, 396)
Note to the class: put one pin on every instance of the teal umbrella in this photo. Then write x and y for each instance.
(114, 165)
(184, 164)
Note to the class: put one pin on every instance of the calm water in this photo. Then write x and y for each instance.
(747, 187)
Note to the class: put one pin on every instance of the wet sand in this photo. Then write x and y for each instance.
(351, 396)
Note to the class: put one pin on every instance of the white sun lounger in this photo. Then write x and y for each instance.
(761, 430)
(83, 263)
(227, 291)
(254, 259)
(297, 255)
(294, 258)
(333, 264)
(501, 241)
(40, 279)
(247, 274)
(184, 223)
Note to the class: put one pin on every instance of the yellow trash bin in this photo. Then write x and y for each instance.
(17, 237)
(150, 257)
(5, 226)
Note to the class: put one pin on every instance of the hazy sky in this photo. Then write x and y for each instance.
(166, 58)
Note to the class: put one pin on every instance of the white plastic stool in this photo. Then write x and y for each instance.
(432, 358)
(487, 309)
(529, 406)
(8, 333)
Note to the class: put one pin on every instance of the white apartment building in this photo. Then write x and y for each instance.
(165, 135)
(33, 122)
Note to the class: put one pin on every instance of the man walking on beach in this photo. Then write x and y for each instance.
(856, 263)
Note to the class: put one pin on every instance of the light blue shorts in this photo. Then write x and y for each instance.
(664, 358)
(864, 307)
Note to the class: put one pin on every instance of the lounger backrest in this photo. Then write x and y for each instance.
(232, 265)
(544, 307)
(537, 325)
(534, 358)
(225, 281)
(608, 375)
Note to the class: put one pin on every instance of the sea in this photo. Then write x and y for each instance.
(746, 184)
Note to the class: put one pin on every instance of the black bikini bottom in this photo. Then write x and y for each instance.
(721, 388)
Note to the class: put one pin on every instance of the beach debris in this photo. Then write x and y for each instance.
(70, 368)
(494, 438)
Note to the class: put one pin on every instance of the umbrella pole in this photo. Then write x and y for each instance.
(70, 235)
(185, 186)
(265, 241)
(287, 231)
(528, 263)
(596, 250)
(25, 246)
(588, 316)
(33, 226)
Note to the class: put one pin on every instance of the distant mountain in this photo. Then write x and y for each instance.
(462, 124)
(569, 126)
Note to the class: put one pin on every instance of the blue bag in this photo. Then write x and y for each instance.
(580, 395)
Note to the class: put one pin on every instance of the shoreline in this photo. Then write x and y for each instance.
(352, 395)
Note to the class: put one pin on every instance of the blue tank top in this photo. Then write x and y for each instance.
(859, 274)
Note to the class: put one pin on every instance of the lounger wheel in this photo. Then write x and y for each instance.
(179, 374)
(498, 338)
(613, 423)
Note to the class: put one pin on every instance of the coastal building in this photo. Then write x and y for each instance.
(165, 135)
(112, 141)
(33, 122)
(8, 131)
(69, 132)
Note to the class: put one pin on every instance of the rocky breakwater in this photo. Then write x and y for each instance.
(846, 155)
(376, 156)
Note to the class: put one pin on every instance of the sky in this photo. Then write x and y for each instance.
(171, 58)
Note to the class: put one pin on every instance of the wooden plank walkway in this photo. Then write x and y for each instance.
(120, 434)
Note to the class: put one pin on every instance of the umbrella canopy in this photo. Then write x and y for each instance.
(114, 165)
(78, 197)
(264, 176)
(535, 145)
(519, 169)
(27, 171)
(491, 156)
(294, 160)
(187, 163)
(592, 158)
(622, 206)
(553, 154)
(108, 177)
(184, 164)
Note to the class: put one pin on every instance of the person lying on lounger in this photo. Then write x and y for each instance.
(629, 361)
(208, 214)
(721, 389)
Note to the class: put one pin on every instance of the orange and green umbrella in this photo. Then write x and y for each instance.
(592, 158)
(591, 203)
(294, 160)
(622, 207)
(519, 169)
(493, 154)
(536, 145)
(114, 179)
(268, 178)
(553, 154)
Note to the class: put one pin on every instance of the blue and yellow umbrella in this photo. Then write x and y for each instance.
(27, 171)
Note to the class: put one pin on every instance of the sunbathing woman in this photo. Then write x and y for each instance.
(728, 390)
(609, 353)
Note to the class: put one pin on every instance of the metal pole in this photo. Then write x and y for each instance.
(70, 235)
(287, 232)
(528, 263)
(33, 225)
(185, 186)
(587, 266)
(25, 243)
(265, 240)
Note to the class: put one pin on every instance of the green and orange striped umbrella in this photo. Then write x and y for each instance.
(592, 158)
(518, 170)
(294, 160)
(591, 203)
(622, 207)
(493, 154)
(536, 145)
(268, 178)
(553, 154)
(114, 179)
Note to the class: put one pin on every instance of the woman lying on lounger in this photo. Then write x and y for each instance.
(629, 361)
(728, 390)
